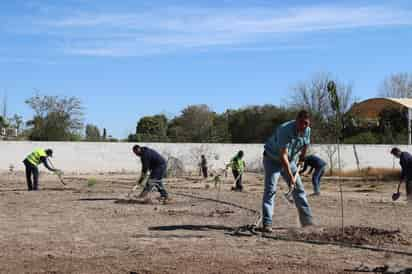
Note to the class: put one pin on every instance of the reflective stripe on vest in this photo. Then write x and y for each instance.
(34, 157)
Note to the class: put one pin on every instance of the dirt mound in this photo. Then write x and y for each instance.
(357, 235)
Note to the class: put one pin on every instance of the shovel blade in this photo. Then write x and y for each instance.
(395, 196)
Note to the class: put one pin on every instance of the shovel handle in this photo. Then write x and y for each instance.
(399, 186)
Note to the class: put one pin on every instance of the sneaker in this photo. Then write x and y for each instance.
(267, 229)
(311, 228)
(308, 225)
(314, 194)
(164, 200)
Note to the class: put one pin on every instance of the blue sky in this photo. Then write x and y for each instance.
(125, 59)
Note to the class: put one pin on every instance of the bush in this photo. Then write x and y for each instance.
(363, 138)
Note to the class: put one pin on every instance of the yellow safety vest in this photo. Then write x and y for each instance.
(34, 157)
(237, 164)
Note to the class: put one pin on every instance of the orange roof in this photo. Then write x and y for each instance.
(370, 109)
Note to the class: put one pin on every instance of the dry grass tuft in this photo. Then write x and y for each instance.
(370, 172)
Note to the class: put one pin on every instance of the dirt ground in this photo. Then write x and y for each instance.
(89, 226)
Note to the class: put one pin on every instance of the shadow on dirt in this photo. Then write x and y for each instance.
(191, 228)
(41, 189)
(58, 189)
(13, 190)
(171, 236)
(97, 199)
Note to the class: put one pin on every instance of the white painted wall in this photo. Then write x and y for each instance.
(85, 157)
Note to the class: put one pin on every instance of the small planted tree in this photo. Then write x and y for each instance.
(335, 105)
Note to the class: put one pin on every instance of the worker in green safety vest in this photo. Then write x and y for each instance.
(37, 157)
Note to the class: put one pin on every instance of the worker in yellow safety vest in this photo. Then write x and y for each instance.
(31, 162)
(237, 164)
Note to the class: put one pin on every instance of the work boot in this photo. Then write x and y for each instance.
(236, 189)
(143, 194)
(267, 229)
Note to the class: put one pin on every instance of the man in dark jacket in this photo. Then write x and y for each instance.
(317, 164)
(32, 161)
(154, 163)
(405, 160)
(203, 166)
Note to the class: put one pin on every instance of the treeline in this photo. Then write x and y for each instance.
(199, 124)
(62, 118)
(254, 124)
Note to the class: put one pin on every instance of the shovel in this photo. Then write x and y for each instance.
(288, 195)
(396, 195)
(59, 173)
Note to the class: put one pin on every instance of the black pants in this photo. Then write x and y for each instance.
(408, 185)
(157, 175)
(31, 171)
(204, 171)
(238, 177)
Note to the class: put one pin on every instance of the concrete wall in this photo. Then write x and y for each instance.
(84, 157)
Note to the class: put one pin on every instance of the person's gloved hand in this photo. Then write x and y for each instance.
(142, 179)
(58, 172)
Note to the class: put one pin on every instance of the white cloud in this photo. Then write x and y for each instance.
(23, 60)
(167, 30)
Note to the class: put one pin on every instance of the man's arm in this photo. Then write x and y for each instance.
(305, 167)
(404, 167)
(284, 159)
(46, 164)
(145, 169)
(303, 154)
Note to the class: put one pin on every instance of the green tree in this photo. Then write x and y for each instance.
(220, 129)
(254, 124)
(392, 126)
(152, 129)
(363, 138)
(55, 119)
(193, 125)
(16, 121)
(3, 122)
(104, 137)
(92, 133)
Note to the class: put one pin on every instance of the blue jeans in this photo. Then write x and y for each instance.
(155, 180)
(273, 170)
(317, 175)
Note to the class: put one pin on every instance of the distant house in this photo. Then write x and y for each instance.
(8, 133)
(370, 109)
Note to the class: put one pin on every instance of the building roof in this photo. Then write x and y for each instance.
(370, 109)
